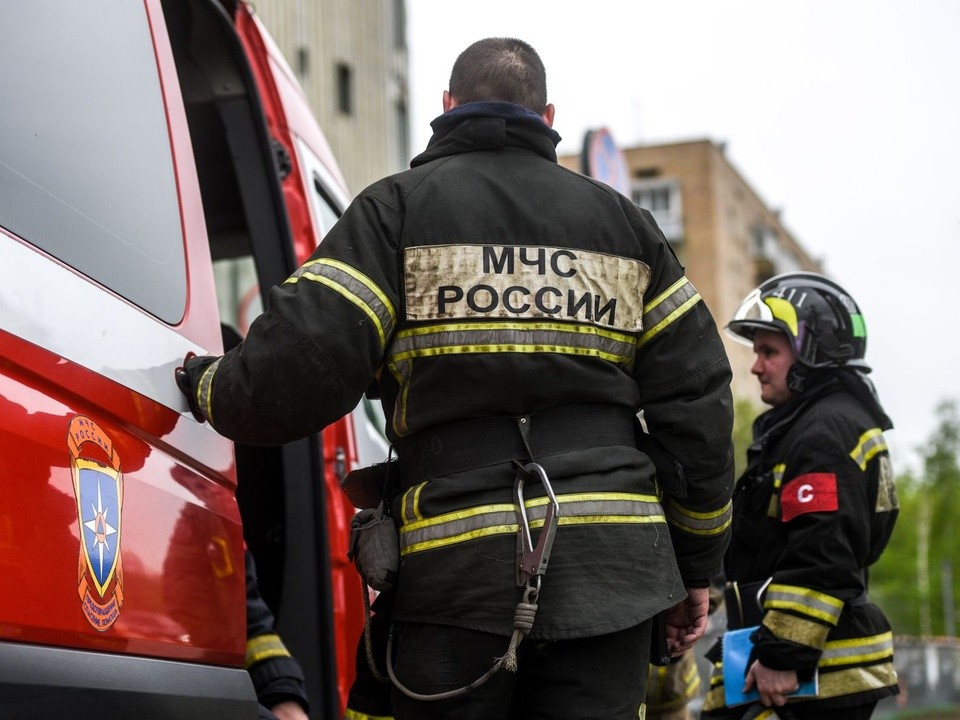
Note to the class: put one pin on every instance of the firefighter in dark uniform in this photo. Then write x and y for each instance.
(814, 509)
(671, 687)
(513, 317)
(277, 677)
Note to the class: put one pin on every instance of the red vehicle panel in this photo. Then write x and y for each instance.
(170, 173)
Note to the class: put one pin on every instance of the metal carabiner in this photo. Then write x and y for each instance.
(532, 561)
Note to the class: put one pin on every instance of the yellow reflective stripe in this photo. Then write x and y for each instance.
(859, 679)
(804, 601)
(402, 372)
(498, 337)
(576, 509)
(410, 507)
(767, 714)
(356, 287)
(713, 522)
(351, 714)
(513, 337)
(668, 306)
(799, 630)
(658, 308)
(856, 651)
(205, 387)
(690, 677)
(715, 697)
(264, 647)
(778, 473)
(673, 686)
(870, 443)
(656, 677)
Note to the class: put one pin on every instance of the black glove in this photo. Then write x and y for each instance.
(182, 377)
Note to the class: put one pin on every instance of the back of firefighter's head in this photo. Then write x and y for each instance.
(499, 70)
(822, 323)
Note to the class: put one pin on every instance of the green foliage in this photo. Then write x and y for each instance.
(917, 581)
(744, 413)
(893, 580)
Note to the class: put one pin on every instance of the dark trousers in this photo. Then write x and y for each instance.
(799, 711)
(855, 712)
(596, 678)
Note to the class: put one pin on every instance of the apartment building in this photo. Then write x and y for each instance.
(350, 56)
(728, 239)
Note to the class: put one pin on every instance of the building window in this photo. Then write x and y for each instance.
(654, 199)
(662, 199)
(770, 254)
(344, 89)
(85, 166)
(303, 62)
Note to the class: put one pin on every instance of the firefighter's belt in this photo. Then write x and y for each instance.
(479, 442)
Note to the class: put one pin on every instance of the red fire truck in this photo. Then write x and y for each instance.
(159, 170)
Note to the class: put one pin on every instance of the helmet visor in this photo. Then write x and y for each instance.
(752, 315)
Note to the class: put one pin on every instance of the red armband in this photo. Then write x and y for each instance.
(814, 492)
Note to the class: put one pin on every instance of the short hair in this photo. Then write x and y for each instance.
(503, 69)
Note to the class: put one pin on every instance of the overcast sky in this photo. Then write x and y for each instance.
(844, 114)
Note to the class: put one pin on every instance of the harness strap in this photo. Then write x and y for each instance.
(479, 442)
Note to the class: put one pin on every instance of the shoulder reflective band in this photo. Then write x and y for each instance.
(870, 443)
(670, 305)
(355, 287)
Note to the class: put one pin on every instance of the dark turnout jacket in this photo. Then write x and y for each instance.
(815, 508)
(489, 283)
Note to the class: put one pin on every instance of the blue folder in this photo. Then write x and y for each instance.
(736, 654)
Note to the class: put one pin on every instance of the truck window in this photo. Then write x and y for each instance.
(327, 202)
(237, 282)
(85, 164)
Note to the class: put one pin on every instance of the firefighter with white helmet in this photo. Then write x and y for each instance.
(814, 509)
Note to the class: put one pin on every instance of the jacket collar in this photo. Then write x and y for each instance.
(775, 422)
(488, 126)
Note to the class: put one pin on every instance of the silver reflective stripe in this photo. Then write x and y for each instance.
(698, 523)
(499, 337)
(417, 535)
(857, 650)
(804, 601)
(667, 307)
(355, 287)
(513, 337)
(870, 443)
